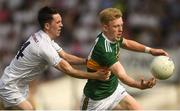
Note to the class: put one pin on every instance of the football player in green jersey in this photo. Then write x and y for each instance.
(108, 95)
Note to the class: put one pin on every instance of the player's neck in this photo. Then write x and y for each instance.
(109, 37)
(49, 34)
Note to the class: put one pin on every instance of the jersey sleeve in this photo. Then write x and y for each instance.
(56, 46)
(49, 53)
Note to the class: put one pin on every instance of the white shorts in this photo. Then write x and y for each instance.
(11, 95)
(108, 103)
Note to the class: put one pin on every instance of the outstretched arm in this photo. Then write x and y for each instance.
(119, 71)
(65, 67)
(72, 59)
(135, 46)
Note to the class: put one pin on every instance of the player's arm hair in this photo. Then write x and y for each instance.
(134, 46)
(65, 67)
(120, 72)
(72, 59)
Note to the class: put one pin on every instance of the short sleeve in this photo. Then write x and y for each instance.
(49, 53)
(56, 46)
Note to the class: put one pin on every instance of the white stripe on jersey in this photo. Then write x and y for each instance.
(105, 43)
(107, 46)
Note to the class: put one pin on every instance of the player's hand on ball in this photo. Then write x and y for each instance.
(145, 84)
(162, 67)
(158, 52)
(103, 74)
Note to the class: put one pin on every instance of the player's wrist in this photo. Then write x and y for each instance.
(140, 85)
(95, 75)
(137, 84)
(147, 50)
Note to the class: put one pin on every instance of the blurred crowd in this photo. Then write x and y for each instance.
(155, 23)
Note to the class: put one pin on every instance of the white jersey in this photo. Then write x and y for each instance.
(35, 55)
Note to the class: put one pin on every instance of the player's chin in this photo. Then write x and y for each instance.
(118, 38)
(58, 34)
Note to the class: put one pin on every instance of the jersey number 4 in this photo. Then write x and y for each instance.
(20, 52)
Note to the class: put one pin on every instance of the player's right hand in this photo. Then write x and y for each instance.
(103, 74)
(158, 52)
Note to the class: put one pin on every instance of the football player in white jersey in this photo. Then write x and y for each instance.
(35, 55)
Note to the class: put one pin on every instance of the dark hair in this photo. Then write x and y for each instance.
(45, 15)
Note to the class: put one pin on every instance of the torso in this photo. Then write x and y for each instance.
(33, 57)
(104, 54)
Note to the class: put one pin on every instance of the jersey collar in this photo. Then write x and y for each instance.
(45, 35)
(107, 38)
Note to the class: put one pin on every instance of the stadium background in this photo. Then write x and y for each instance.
(155, 23)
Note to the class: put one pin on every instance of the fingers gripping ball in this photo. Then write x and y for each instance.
(162, 67)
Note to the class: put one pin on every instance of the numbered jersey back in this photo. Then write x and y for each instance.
(33, 57)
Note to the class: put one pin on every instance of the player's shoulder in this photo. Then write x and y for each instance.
(100, 39)
(41, 38)
(37, 41)
(99, 43)
(35, 37)
(39, 35)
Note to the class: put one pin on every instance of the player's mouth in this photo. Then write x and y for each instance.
(119, 34)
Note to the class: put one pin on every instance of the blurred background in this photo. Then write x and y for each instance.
(155, 23)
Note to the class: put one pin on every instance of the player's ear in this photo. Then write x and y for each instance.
(104, 27)
(47, 26)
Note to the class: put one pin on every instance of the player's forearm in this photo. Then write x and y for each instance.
(135, 46)
(81, 74)
(130, 82)
(66, 68)
(120, 72)
(76, 60)
(72, 59)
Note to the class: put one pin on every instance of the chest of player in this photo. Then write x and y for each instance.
(112, 49)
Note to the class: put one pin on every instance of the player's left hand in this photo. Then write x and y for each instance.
(145, 84)
(158, 52)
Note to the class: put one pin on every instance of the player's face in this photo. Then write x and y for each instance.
(114, 29)
(55, 26)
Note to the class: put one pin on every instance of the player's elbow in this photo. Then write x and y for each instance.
(65, 67)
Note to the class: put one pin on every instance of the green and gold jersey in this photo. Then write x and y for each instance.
(103, 54)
